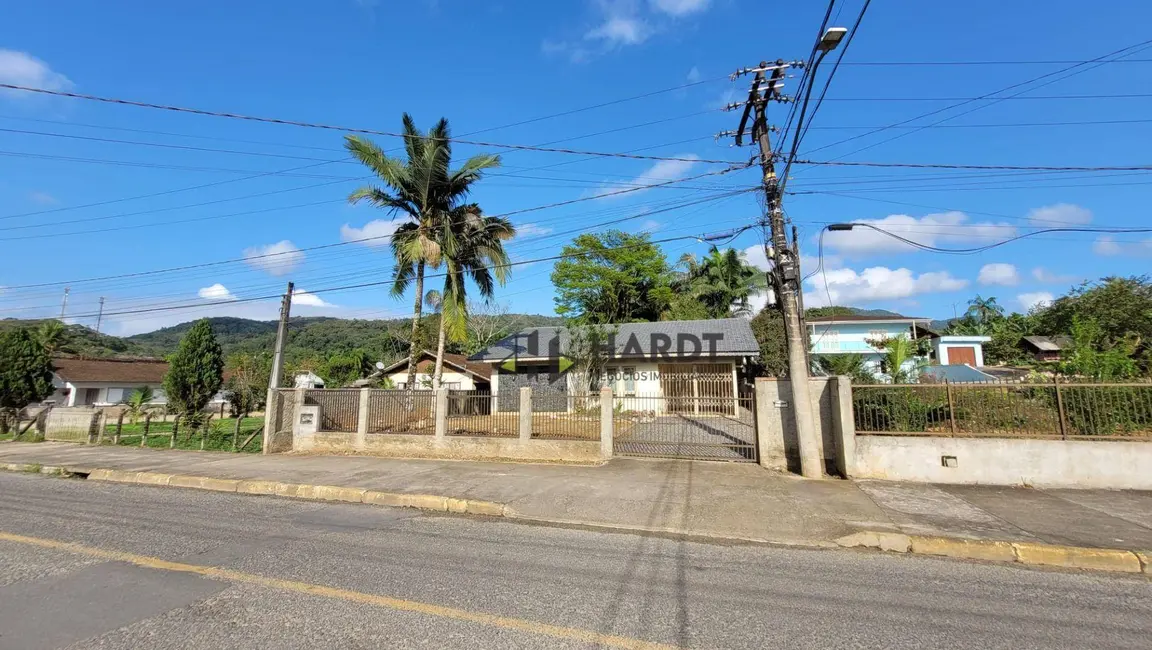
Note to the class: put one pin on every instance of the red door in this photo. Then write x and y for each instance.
(966, 356)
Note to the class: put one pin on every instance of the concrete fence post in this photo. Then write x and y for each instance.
(844, 426)
(526, 413)
(360, 442)
(606, 432)
(441, 413)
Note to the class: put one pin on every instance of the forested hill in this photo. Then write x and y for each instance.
(309, 338)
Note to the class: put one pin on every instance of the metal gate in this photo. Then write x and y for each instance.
(694, 427)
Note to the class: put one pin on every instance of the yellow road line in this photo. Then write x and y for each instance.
(481, 618)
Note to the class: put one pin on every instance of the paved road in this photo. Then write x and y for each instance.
(169, 568)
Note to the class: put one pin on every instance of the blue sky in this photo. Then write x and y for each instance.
(489, 64)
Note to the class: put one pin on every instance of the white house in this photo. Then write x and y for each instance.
(458, 373)
(661, 366)
(106, 382)
(850, 334)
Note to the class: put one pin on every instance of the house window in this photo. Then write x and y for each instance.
(877, 334)
(117, 395)
(629, 381)
(827, 340)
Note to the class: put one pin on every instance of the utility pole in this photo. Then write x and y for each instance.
(785, 274)
(100, 314)
(271, 404)
(64, 305)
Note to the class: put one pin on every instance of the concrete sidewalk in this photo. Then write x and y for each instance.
(708, 499)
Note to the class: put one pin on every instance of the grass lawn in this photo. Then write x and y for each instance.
(219, 436)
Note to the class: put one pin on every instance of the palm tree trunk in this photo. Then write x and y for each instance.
(413, 353)
(439, 354)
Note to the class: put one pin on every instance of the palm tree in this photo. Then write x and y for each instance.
(983, 310)
(473, 248)
(137, 404)
(901, 359)
(723, 281)
(51, 334)
(424, 189)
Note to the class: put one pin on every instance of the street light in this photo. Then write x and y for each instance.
(831, 39)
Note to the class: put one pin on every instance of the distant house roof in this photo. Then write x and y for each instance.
(864, 318)
(723, 337)
(1048, 343)
(142, 371)
(457, 361)
(956, 372)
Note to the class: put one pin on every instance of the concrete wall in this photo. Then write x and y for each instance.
(459, 448)
(70, 424)
(775, 423)
(1089, 464)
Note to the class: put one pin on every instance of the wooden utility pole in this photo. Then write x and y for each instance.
(785, 274)
(271, 404)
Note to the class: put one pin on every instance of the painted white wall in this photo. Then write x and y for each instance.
(424, 379)
(945, 343)
(109, 393)
(1086, 464)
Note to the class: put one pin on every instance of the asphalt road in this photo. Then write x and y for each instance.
(100, 565)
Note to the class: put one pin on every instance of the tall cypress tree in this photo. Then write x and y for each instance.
(195, 371)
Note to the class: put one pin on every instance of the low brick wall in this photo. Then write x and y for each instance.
(70, 424)
(451, 447)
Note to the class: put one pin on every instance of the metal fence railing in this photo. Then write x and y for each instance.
(1030, 410)
(475, 413)
(402, 411)
(708, 428)
(339, 407)
(566, 417)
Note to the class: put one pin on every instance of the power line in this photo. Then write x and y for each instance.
(996, 62)
(331, 127)
(383, 282)
(988, 126)
(1066, 168)
(980, 249)
(972, 99)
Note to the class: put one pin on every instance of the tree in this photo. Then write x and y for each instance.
(488, 322)
(903, 359)
(845, 365)
(984, 310)
(612, 277)
(25, 373)
(1094, 356)
(247, 384)
(425, 189)
(768, 327)
(472, 247)
(137, 404)
(586, 349)
(52, 335)
(1119, 306)
(195, 371)
(342, 369)
(723, 282)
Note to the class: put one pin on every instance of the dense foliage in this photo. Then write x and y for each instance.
(25, 372)
(195, 371)
(612, 277)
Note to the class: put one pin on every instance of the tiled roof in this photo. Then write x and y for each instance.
(862, 318)
(732, 337)
(461, 362)
(111, 370)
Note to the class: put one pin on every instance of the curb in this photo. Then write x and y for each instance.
(303, 491)
(1029, 553)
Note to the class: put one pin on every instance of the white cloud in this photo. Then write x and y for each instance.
(616, 31)
(693, 75)
(846, 286)
(378, 232)
(23, 69)
(999, 273)
(1060, 214)
(216, 292)
(532, 230)
(1030, 301)
(940, 229)
(650, 226)
(1110, 246)
(43, 198)
(756, 256)
(280, 258)
(307, 299)
(664, 170)
(679, 7)
(1044, 275)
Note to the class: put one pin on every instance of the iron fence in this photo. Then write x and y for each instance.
(1054, 410)
(402, 411)
(339, 407)
(706, 428)
(475, 413)
(557, 416)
